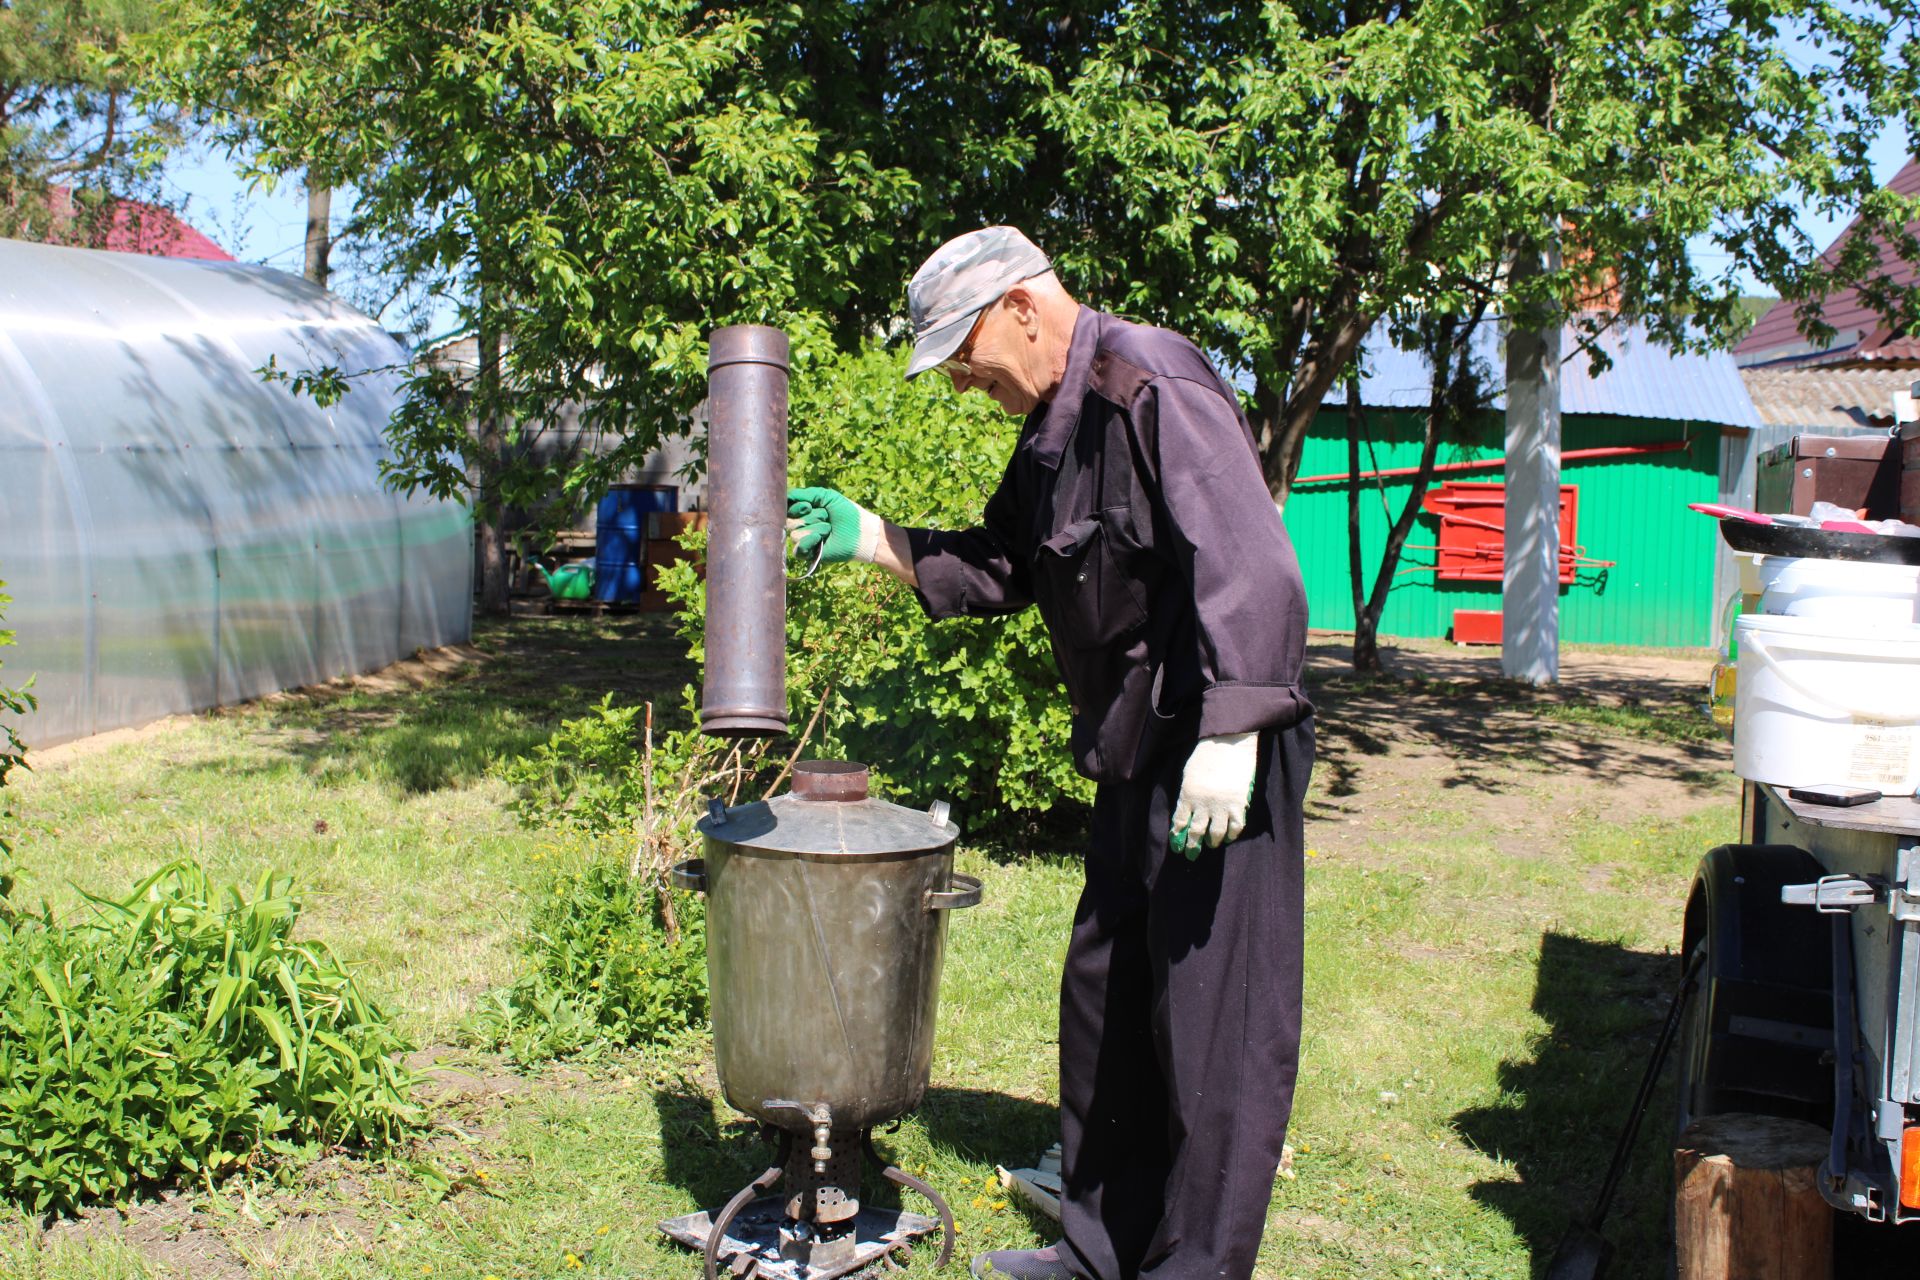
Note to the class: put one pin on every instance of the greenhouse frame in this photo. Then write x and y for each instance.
(178, 532)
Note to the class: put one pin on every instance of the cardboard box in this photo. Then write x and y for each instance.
(671, 524)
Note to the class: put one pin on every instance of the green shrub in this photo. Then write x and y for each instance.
(967, 709)
(614, 963)
(586, 776)
(14, 703)
(181, 1031)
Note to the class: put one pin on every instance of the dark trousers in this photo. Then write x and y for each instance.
(1180, 1028)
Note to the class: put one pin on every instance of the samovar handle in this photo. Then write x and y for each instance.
(965, 893)
(691, 874)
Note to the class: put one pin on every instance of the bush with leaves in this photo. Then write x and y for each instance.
(964, 710)
(615, 963)
(616, 957)
(586, 776)
(14, 703)
(182, 1031)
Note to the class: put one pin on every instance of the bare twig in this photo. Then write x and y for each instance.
(798, 747)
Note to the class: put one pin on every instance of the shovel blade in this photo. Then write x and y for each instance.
(1583, 1255)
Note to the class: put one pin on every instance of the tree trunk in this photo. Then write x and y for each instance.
(1309, 380)
(319, 232)
(1366, 624)
(1745, 1203)
(490, 516)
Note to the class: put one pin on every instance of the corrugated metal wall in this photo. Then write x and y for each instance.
(1632, 510)
(178, 533)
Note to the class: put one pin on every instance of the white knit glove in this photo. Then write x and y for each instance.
(1214, 792)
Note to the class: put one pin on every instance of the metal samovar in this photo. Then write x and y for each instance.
(826, 908)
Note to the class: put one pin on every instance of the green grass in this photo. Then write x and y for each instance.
(1489, 949)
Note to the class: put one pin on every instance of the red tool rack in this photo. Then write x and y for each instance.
(1473, 532)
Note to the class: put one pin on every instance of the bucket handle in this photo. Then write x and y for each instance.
(1760, 651)
(691, 874)
(965, 893)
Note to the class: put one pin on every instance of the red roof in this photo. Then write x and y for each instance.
(137, 227)
(1859, 333)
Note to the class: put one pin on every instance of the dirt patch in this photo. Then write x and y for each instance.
(170, 1232)
(1445, 741)
(81, 748)
(330, 1208)
(425, 668)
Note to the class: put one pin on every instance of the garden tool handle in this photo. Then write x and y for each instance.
(965, 893)
(691, 874)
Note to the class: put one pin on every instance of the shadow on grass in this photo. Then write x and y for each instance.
(536, 672)
(1561, 1110)
(710, 1158)
(704, 1155)
(1481, 726)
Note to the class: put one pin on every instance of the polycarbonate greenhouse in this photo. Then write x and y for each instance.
(176, 532)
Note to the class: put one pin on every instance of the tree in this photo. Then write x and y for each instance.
(1456, 392)
(596, 184)
(71, 137)
(1275, 179)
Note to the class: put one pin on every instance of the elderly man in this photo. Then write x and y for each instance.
(1134, 513)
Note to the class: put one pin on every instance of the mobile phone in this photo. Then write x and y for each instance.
(1834, 793)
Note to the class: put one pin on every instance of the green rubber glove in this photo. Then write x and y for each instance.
(827, 516)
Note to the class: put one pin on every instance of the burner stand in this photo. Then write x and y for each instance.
(819, 1230)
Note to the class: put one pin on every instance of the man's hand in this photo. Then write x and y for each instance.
(827, 516)
(1214, 792)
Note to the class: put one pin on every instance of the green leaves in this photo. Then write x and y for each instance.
(967, 710)
(181, 1031)
(606, 970)
(1274, 180)
(14, 703)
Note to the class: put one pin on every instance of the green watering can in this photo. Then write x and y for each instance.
(570, 581)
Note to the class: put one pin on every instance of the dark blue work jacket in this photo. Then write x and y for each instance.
(1134, 513)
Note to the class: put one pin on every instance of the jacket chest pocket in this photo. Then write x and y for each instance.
(1087, 597)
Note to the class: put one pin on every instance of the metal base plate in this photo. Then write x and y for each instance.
(755, 1234)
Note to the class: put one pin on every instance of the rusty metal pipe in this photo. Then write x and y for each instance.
(745, 694)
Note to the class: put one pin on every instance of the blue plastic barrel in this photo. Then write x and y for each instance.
(620, 539)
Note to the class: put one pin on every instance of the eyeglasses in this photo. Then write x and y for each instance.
(958, 364)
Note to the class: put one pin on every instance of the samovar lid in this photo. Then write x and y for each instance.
(829, 814)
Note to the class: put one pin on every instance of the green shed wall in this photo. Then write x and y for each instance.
(1632, 510)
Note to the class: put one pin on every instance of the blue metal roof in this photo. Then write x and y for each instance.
(1647, 380)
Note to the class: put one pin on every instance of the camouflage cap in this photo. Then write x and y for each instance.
(961, 279)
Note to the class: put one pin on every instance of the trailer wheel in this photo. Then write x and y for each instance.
(1758, 1031)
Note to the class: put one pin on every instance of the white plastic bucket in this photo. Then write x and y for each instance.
(1869, 594)
(1826, 701)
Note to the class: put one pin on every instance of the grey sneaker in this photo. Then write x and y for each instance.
(1026, 1264)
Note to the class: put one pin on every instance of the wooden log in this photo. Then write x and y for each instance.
(1746, 1205)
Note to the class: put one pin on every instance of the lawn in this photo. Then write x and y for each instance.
(1494, 893)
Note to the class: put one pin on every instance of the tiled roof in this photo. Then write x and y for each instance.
(1820, 397)
(1646, 380)
(1858, 331)
(137, 227)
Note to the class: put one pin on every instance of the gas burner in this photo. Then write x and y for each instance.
(819, 1230)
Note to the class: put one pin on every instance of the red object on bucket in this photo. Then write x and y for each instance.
(1476, 626)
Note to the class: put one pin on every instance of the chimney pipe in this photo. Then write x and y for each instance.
(745, 694)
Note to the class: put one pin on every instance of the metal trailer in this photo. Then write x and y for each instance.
(1812, 924)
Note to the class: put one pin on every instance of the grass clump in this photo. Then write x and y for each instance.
(181, 1031)
(1656, 724)
(614, 964)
